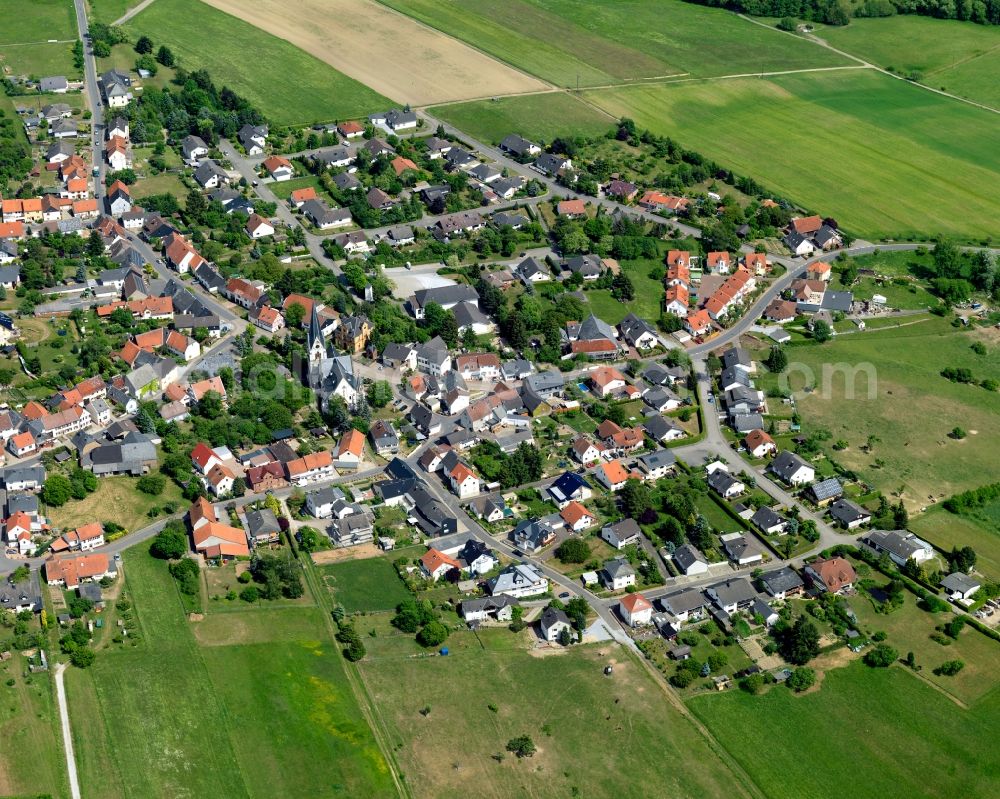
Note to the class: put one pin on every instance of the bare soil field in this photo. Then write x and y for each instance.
(387, 51)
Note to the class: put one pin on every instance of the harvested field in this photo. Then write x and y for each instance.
(420, 66)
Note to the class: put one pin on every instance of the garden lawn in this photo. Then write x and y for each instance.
(284, 189)
(898, 161)
(277, 710)
(109, 10)
(909, 629)
(539, 117)
(286, 84)
(47, 19)
(960, 57)
(647, 302)
(913, 409)
(866, 733)
(591, 42)
(41, 60)
(365, 585)
(979, 530)
(590, 730)
(115, 500)
(28, 714)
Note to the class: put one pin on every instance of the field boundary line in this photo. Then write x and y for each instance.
(32, 44)
(962, 61)
(740, 774)
(356, 681)
(67, 732)
(937, 688)
(471, 46)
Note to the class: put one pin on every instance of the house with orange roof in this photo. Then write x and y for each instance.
(11, 230)
(606, 380)
(698, 323)
(720, 262)
(34, 410)
(678, 274)
(819, 270)
(577, 517)
(70, 571)
(401, 165)
(350, 129)
(807, 225)
(116, 153)
(352, 448)
(756, 263)
(436, 564)
(835, 575)
(612, 475)
(301, 196)
(12, 210)
(219, 479)
(636, 610)
(574, 209)
(199, 389)
(464, 482)
(299, 299)
(676, 299)
(312, 468)
(759, 444)
(31, 207)
(658, 201)
(217, 541)
(679, 258)
(85, 209)
(243, 292)
(280, 169)
(267, 318)
(74, 189)
(200, 513)
(82, 539)
(180, 255)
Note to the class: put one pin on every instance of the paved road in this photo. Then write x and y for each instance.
(518, 168)
(93, 92)
(67, 733)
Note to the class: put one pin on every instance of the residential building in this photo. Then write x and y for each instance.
(835, 575)
(622, 534)
(636, 610)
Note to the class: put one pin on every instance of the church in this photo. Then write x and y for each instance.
(330, 374)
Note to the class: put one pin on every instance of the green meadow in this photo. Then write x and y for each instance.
(590, 43)
(959, 57)
(287, 84)
(883, 157)
(265, 711)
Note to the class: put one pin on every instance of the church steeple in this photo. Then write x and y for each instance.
(316, 341)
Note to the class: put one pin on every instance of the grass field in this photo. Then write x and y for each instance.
(592, 43)
(909, 630)
(262, 714)
(28, 713)
(116, 499)
(364, 585)
(980, 531)
(913, 410)
(960, 57)
(866, 733)
(109, 10)
(48, 19)
(287, 84)
(896, 160)
(540, 117)
(601, 736)
(40, 60)
(648, 295)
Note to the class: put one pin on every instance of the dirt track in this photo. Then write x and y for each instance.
(387, 51)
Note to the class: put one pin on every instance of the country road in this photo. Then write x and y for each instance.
(67, 732)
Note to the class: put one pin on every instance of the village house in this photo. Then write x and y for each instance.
(635, 610)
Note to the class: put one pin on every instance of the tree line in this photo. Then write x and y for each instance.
(836, 12)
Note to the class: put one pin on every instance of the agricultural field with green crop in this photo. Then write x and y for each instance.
(590, 43)
(908, 416)
(959, 57)
(274, 702)
(864, 728)
(288, 85)
(897, 161)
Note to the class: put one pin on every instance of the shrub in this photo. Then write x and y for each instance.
(802, 678)
(949, 668)
(522, 746)
(432, 634)
(881, 656)
(573, 550)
